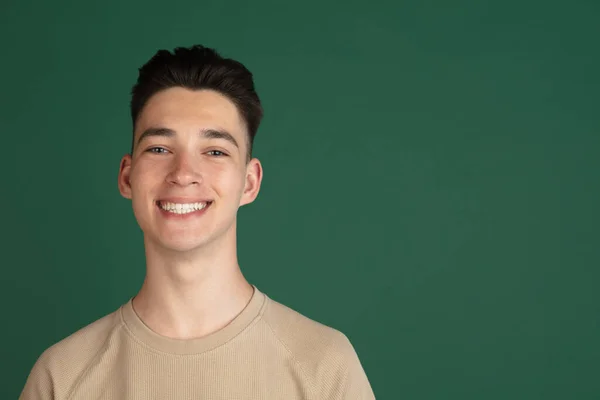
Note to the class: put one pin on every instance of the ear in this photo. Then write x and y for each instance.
(124, 176)
(254, 175)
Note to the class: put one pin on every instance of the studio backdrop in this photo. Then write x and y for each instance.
(431, 183)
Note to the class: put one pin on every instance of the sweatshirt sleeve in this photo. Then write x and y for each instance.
(356, 384)
(39, 385)
(346, 378)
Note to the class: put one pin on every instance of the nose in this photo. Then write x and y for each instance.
(183, 171)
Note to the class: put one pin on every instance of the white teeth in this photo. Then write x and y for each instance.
(182, 208)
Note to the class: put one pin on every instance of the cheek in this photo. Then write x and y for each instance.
(143, 178)
(230, 182)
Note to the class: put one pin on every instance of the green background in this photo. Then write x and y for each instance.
(431, 180)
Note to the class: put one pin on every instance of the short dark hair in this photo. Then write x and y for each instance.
(195, 68)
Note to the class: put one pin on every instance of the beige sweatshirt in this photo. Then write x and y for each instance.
(268, 351)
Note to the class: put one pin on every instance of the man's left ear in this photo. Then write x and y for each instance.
(254, 175)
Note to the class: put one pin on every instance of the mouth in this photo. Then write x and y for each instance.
(182, 208)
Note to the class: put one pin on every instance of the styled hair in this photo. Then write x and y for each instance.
(196, 68)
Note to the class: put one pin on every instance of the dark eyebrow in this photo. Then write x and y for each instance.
(207, 133)
(156, 132)
(217, 134)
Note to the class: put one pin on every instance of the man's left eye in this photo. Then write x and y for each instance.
(216, 153)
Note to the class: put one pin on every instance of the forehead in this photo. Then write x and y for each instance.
(184, 110)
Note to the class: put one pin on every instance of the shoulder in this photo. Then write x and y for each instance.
(325, 354)
(58, 367)
(301, 335)
(84, 342)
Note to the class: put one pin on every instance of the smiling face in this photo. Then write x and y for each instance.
(189, 173)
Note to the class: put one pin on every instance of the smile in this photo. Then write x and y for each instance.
(183, 208)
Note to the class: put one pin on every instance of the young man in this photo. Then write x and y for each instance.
(196, 329)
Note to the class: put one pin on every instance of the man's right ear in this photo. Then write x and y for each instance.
(124, 175)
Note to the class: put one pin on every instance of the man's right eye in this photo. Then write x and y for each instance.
(158, 150)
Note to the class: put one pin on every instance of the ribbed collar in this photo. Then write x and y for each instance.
(142, 332)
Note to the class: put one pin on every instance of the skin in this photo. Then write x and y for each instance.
(193, 284)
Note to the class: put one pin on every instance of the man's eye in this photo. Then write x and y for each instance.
(158, 150)
(217, 153)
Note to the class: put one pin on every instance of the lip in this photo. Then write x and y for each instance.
(181, 200)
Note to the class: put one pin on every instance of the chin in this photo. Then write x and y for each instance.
(188, 240)
(183, 245)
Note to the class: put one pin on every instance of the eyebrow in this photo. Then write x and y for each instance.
(206, 133)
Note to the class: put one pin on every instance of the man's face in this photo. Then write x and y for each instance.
(188, 173)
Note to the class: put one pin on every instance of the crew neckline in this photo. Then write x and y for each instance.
(165, 344)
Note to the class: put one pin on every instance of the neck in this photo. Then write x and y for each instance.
(191, 294)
